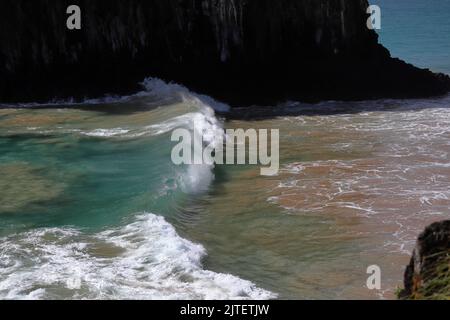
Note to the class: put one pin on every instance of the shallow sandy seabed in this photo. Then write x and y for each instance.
(21, 186)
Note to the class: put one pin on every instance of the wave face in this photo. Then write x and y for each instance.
(186, 110)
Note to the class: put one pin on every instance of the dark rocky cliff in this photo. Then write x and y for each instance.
(241, 51)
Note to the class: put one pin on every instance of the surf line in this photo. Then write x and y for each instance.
(197, 311)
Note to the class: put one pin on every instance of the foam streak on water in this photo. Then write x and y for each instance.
(385, 161)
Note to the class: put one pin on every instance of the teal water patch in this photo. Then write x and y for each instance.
(417, 31)
(98, 181)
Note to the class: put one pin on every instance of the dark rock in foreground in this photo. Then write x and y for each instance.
(239, 51)
(428, 274)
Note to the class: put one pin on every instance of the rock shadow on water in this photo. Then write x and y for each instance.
(329, 108)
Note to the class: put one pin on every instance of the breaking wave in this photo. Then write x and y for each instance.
(145, 259)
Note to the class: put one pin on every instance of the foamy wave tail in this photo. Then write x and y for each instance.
(146, 259)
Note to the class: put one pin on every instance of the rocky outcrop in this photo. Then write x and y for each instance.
(428, 274)
(240, 51)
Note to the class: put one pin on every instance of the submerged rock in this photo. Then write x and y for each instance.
(428, 274)
(239, 51)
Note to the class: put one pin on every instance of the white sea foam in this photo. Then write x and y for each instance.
(146, 259)
(106, 132)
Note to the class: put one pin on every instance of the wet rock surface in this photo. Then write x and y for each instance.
(428, 274)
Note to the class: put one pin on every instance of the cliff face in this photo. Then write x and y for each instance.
(241, 51)
(428, 274)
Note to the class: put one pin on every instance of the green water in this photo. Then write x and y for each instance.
(96, 182)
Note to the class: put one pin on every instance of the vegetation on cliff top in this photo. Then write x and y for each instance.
(427, 277)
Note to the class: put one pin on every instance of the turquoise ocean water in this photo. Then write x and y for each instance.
(417, 31)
